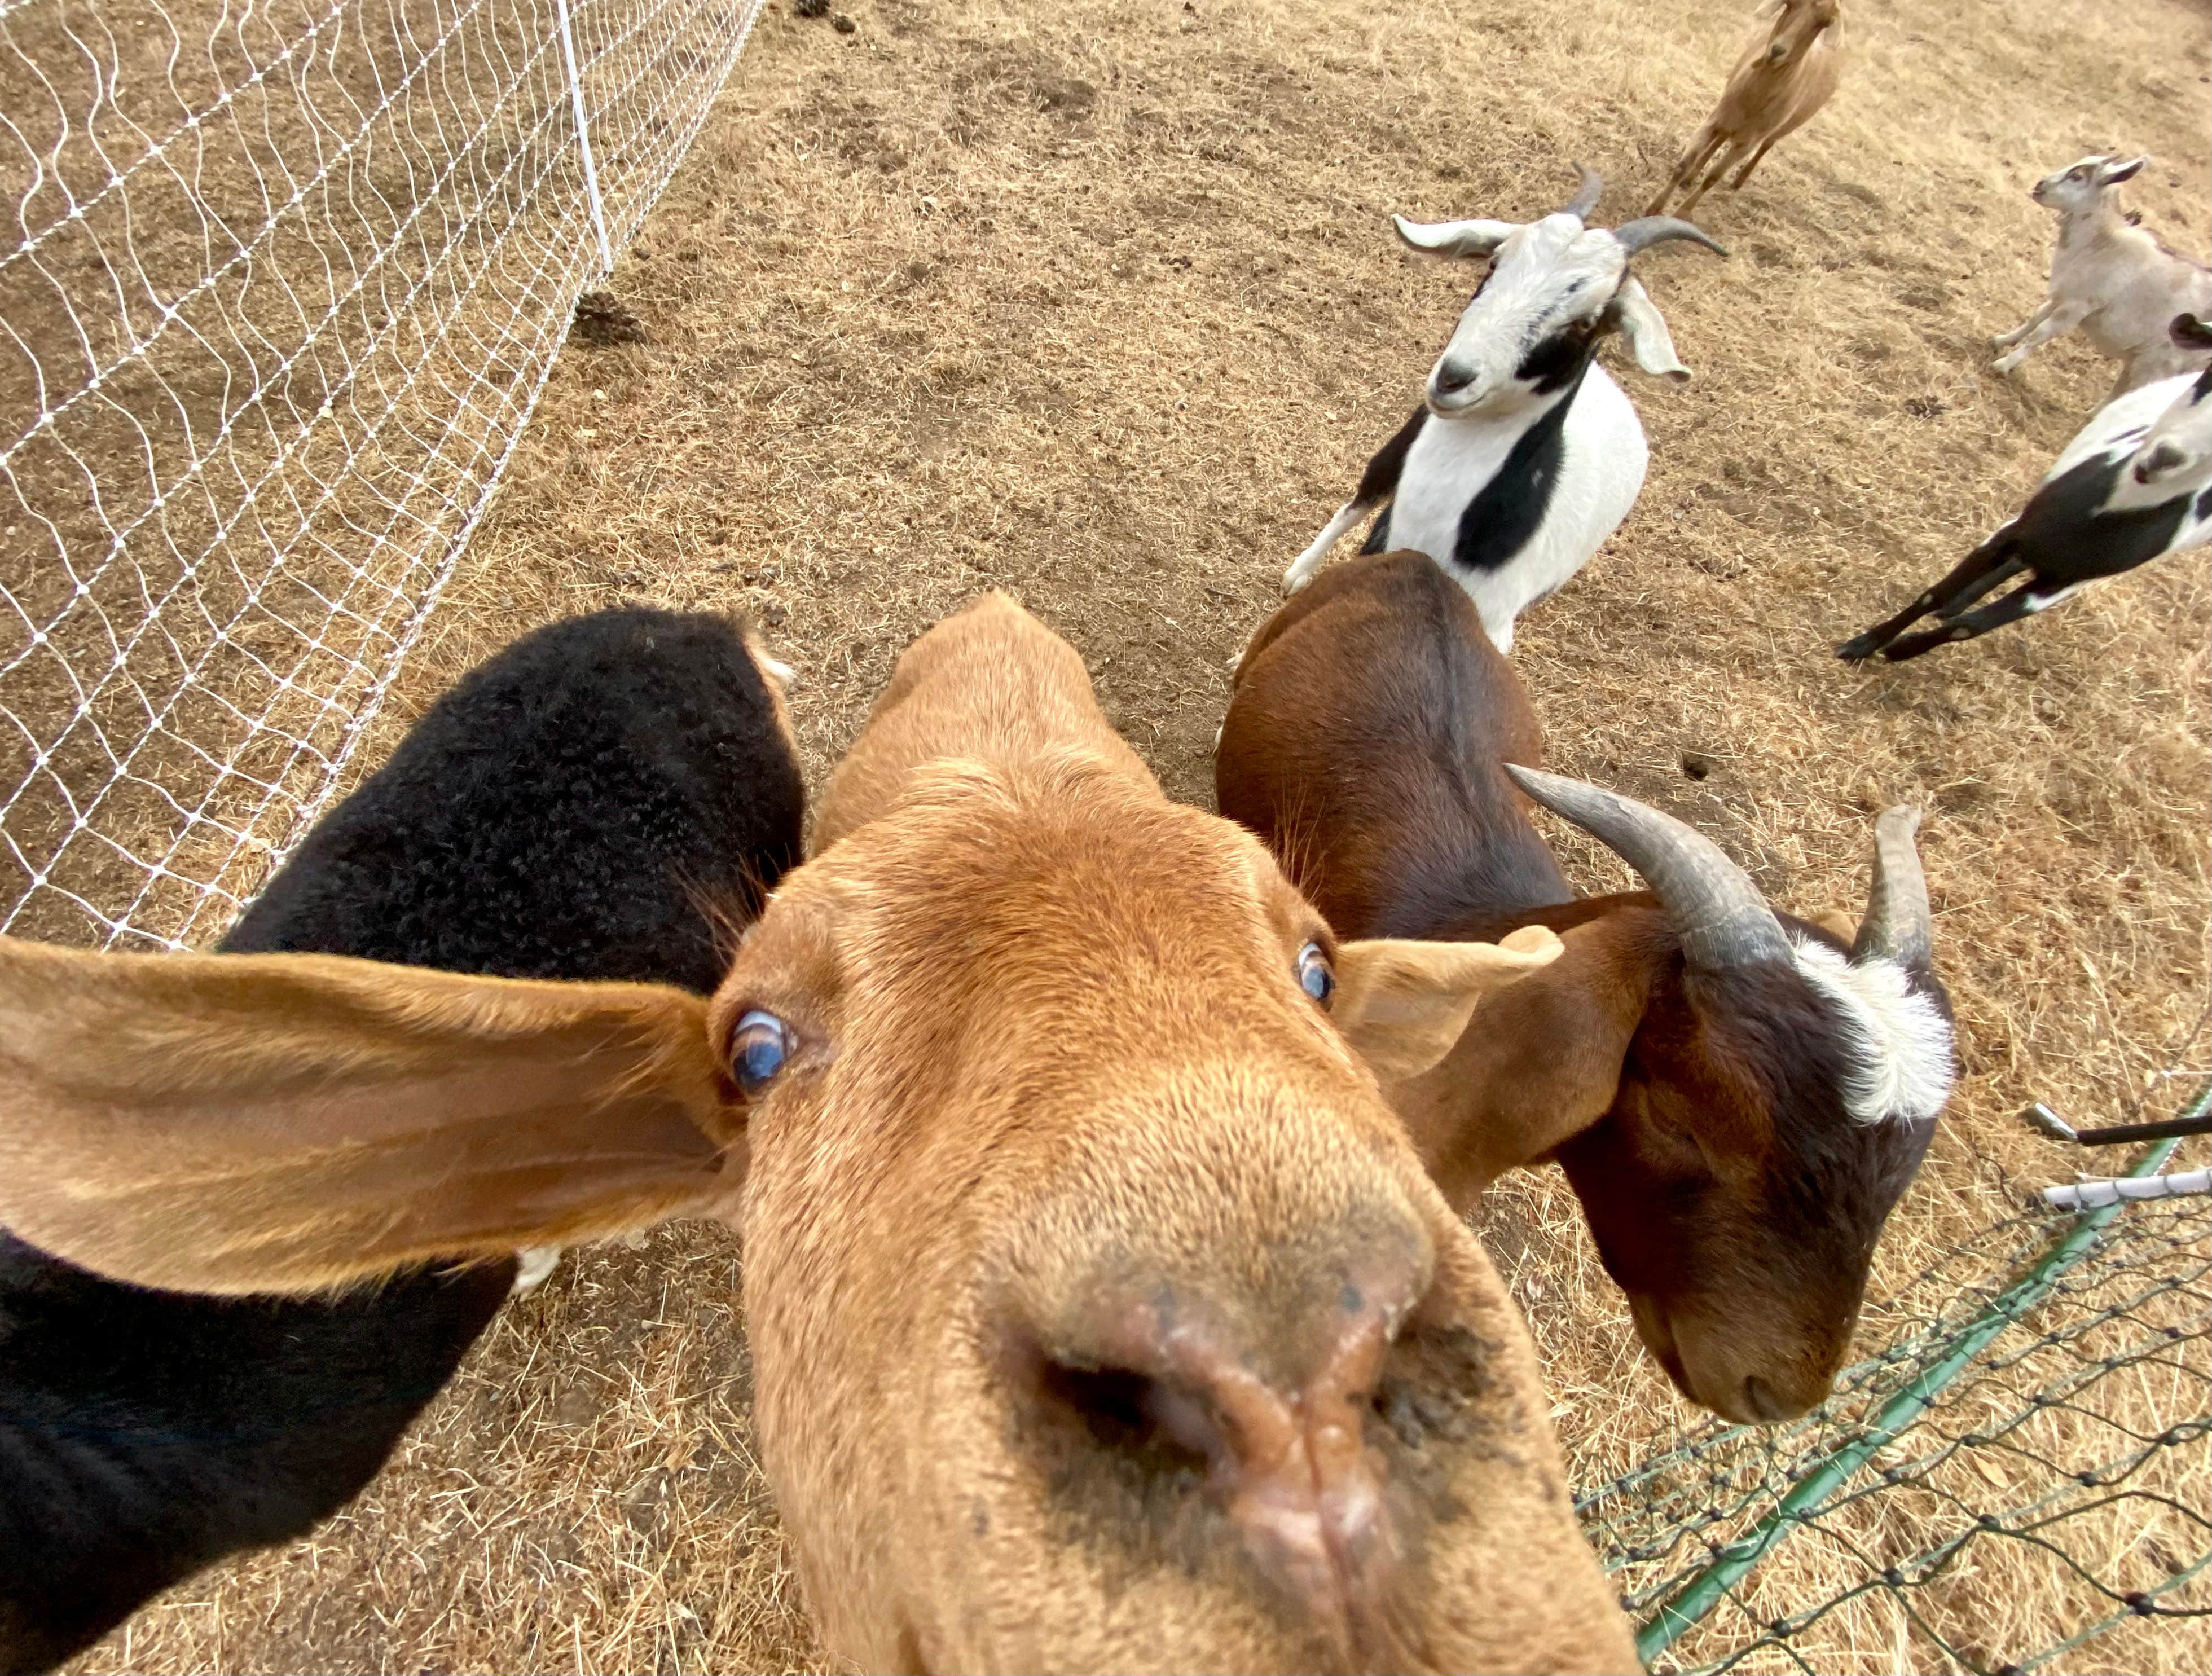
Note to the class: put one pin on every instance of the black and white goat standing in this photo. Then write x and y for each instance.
(2134, 485)
(585, 805)
(1524, 455)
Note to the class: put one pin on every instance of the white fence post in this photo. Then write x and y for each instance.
(584, 140)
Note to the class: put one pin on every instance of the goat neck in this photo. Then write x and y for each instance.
(1398, 849)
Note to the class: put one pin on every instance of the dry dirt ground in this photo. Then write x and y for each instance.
(1097, 303)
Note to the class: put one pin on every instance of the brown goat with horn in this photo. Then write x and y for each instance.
(1791, 60)
(1737, 1098)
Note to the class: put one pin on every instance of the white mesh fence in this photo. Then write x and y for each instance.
(283, 281)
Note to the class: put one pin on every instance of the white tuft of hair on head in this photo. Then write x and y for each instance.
(1898, 1040)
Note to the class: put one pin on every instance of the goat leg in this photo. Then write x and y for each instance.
(2058, 318)
(1955, 607)
(1803, 113)
(2005, 340)
(2026, 600)
(1988, 566)
(1376, 484)
(1744, 174)
(1728, 150)
(1701, 147)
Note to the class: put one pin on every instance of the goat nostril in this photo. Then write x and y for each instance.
(1135, 1417)
(1449, 378)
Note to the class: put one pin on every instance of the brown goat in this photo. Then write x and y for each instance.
(1736, 1100)
(1101, 1313)
(1791, 60)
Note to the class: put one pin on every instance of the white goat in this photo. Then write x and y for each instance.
(2111, 278)
(1523, 457)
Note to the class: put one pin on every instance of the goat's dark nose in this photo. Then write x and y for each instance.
(1271, 1393)
(1452, 376)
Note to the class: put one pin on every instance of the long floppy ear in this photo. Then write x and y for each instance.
(1403, 1003)
(1475, 238)
(234, 1123)
(1638, 320)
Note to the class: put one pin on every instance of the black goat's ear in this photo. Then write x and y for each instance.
(2190, 332)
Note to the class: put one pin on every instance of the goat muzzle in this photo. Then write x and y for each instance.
(1275, 1401)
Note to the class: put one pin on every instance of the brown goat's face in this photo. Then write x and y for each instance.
(1103, 1316)
(1733, 1194)
(1798, 26)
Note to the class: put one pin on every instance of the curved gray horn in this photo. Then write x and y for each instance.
(1646, 231)
(1897, 925)
(1468, 238)
(1586, 194)
(1716, 910)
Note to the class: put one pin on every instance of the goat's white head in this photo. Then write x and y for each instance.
(2175, 455)
(1555, 285)
(2076, 186)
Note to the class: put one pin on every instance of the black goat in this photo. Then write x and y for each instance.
(598, 801)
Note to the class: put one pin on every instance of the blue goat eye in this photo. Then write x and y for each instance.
(1314, 975)
(759, 1048)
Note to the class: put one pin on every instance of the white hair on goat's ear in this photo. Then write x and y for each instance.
(1468, 238)
(1642, 325)
(1899, 1043)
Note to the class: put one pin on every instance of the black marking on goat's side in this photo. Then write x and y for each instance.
(2065, 537)
(2204, 504)
(2202, 388)
(1509, 509)
(1379, 482)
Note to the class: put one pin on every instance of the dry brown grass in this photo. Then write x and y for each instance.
(1096, 303)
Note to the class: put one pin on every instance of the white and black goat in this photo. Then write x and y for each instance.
(1524, 456)
(2135, 484)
